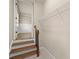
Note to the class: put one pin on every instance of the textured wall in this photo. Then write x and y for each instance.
(55, 31)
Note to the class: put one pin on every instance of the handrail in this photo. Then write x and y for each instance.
(37, 40)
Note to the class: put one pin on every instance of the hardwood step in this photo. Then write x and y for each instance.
(17, 41)
(23, 53)
(21, 46)
(24, 36)
(22, 49)
(22, 42)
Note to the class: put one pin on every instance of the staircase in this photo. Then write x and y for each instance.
(23, 47)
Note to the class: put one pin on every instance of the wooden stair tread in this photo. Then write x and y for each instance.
(25, 45)
(24, 36)
(18, 41)
(23, 42)
(22, 53)
(22, 49)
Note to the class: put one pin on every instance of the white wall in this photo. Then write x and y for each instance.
(55, 28)
(38, 14)
(51, 5)
(11, 22)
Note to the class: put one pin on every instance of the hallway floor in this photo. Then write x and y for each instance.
(43, 55)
